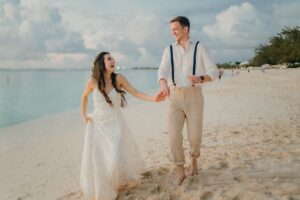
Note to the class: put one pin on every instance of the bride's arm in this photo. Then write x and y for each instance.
(84, 100)
(140, 95)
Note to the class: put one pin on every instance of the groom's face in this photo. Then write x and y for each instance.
(178, 31)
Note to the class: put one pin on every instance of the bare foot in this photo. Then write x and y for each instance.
(180, 175)
(179, 179)
(122, 188)
(193, 167)
(128, 186)
(132, 185)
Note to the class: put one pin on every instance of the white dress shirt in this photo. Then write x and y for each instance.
(183, 64)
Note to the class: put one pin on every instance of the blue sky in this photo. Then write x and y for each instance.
(45, 34)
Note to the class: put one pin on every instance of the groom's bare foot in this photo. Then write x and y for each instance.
(180, 175)
(194, 167)
(179, 179)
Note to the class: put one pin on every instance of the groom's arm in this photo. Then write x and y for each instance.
(163, 72)
(164, 88)
(211, 68)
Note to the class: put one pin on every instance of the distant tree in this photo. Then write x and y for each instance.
(282, 48)
(229, 65)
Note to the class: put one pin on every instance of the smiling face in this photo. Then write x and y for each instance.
(109, 63)
(179, 32)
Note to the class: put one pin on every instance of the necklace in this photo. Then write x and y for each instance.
(108, 82)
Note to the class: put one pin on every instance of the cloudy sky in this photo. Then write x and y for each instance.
(69, 33)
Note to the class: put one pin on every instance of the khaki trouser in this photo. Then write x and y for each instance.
(185, 104)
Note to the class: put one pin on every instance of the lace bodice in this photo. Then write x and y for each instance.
(100, 102)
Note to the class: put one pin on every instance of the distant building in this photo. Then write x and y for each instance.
(244, 64)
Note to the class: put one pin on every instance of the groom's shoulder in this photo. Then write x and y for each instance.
(167, 48)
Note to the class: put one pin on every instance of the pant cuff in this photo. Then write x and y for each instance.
(178, 162)
(195, 155)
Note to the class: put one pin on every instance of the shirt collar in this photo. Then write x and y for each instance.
(189, 41)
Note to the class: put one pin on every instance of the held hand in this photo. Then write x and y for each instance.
(160, 96)
(195, 79)
(86, 119)
(164, 88)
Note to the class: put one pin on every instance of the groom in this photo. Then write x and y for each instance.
(185, 65)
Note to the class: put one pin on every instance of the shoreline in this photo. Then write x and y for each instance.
(131, 99)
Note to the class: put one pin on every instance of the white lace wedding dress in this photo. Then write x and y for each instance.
(110, 154)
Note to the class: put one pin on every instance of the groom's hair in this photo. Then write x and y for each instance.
(183, 21)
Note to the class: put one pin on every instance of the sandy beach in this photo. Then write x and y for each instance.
(250, 148)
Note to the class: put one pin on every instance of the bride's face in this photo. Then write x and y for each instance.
(109, 62)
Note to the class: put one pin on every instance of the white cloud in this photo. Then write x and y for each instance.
(126, 35)
(38, 33)
(237, 27)
(30, 30)
(142, 28)
(62, 58)
(226, 20)
(240, 28)
(10, 11)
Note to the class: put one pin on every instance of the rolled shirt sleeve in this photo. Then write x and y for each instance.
(164, 68)
(209, 65)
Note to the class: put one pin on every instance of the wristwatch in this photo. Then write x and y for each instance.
(201, 78)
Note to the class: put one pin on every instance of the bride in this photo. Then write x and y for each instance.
(110, 160)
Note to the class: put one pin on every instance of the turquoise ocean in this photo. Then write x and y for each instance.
(30, 94)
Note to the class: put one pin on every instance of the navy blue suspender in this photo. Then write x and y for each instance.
(172, 64)
(195, 56)
(172, 61)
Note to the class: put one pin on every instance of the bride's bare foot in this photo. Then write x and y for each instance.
(194, 167)
(122, 188)
(132, 185)
(180, 175)
(128, 186)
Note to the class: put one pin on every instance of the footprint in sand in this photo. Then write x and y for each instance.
(192, 183)
(25, 196)
(162, 196)
(40, 164)
(71, 196)
(238, 179)
(161, 171)
(268, 194)
(156, 189)
(223, 164)
(130, 197)
(207, 196)
(235, 132)
(236, 198)
(146, 175)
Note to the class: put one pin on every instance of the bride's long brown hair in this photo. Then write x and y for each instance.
(98, 70)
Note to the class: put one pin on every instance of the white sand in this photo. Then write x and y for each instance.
(251, 146)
